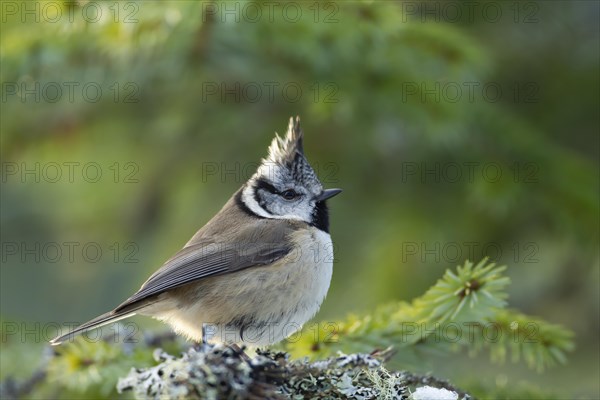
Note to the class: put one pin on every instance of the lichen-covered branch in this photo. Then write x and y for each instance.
(217, 371)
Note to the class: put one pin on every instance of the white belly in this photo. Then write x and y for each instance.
(260, 305)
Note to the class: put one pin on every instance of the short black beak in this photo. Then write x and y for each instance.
(328, 193)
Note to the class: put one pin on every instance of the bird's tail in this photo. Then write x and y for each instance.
(97, 322)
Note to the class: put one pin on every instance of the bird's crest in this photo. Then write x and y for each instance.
(283, 151)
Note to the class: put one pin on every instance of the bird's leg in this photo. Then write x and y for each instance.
(199, 346)
(233, 346)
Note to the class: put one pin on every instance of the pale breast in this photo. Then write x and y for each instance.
(259, 305)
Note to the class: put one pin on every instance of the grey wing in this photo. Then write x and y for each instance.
(207, 259)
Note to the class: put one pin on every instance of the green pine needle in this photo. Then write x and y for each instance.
(465, 309)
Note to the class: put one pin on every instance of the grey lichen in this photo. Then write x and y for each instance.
(217, 371)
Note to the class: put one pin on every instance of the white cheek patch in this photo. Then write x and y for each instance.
(252, 204)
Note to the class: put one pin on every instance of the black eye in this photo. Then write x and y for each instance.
(289, 194)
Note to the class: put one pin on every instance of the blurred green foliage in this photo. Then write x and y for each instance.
(178, 98)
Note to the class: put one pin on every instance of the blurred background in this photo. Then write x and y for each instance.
(457, 130)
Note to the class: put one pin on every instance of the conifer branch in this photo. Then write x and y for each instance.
(465, 309)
